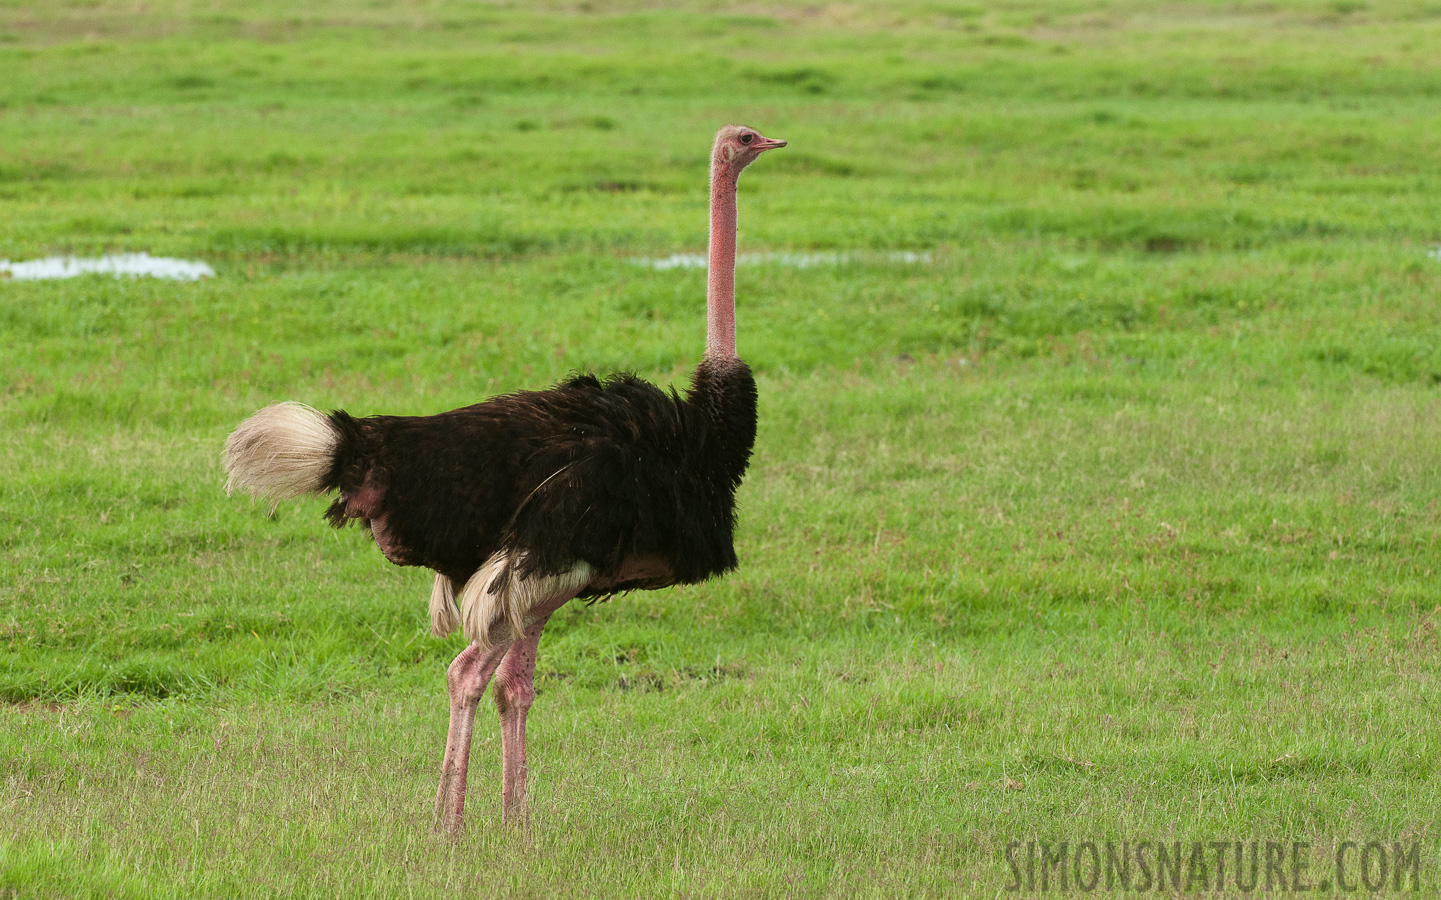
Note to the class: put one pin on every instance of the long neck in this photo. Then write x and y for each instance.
(720, 295)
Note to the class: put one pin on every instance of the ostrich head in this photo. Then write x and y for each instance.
(737, 146)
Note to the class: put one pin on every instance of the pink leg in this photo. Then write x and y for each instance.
(466, 679)
(514, 693)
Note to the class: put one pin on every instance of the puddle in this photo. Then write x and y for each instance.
(792, 260)
(133, 265)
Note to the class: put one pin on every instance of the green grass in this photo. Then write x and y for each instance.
(1115, 520)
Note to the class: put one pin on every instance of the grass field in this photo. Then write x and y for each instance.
(1110, 516)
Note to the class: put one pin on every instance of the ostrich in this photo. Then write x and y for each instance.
(526, 501)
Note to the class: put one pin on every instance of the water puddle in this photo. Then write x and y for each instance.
(132, 265)
(791, 260)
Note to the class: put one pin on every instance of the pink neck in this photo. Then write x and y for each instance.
(720, 295)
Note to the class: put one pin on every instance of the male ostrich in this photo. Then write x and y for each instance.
(529, 500)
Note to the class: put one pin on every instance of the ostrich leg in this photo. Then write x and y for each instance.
(514, 693)
(466, 679)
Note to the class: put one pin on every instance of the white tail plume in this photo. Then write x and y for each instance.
(283, 451)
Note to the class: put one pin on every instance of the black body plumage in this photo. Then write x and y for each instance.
(601, 471)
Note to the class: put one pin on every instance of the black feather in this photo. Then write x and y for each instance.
(601, 471)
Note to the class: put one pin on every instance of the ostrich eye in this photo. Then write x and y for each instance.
(747, 138)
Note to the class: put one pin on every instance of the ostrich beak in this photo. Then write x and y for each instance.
(766, 143)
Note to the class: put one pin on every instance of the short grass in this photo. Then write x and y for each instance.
(1114, 518)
